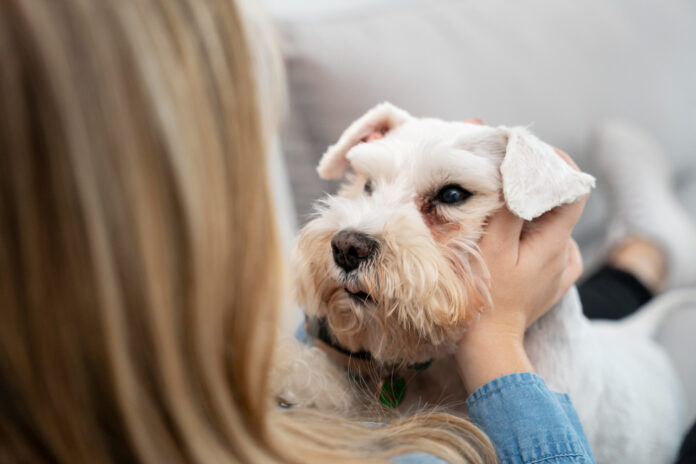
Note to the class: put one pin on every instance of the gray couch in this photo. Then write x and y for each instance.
(562, 66)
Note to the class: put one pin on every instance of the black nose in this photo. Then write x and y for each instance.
(350, 248)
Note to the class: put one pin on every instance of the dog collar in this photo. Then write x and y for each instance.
(391, 388)
(318, 328)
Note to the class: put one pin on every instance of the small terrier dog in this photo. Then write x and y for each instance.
(389, 275)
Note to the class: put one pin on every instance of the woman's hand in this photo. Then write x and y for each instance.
(530, 270)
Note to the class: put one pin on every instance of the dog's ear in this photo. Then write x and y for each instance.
(535, 178)
(383, 117)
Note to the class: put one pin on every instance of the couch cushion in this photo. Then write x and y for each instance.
(560, 66)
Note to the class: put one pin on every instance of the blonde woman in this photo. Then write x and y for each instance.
(140, 272)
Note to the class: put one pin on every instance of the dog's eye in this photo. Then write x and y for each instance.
(368, 186)
(452, 194)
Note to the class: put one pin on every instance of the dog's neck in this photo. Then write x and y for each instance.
(387, 379)
(356, 362)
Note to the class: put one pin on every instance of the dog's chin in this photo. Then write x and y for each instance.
(348, 310)
(358, 323)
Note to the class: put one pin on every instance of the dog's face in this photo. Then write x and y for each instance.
(392, 260)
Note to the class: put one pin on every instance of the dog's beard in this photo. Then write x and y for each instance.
(406, 306)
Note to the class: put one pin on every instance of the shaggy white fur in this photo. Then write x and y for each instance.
(422, 194)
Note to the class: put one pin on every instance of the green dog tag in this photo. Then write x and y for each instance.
(392, 391)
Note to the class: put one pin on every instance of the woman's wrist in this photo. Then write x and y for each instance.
(486, 355)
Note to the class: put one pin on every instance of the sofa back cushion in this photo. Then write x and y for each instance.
(559, 66)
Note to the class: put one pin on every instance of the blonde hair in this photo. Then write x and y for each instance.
(140, 271)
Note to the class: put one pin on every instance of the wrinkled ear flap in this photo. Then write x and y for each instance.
(535, 178)
(382, 117)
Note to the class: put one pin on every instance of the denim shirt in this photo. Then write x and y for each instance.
(527, 422)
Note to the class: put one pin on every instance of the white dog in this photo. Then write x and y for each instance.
(386, 274)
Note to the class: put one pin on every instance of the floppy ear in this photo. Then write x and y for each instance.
(535, 178)
(383, 117)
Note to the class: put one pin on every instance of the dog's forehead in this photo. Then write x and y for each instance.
(427, 144)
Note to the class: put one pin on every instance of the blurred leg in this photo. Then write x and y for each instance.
(633, 275)
(638, 176)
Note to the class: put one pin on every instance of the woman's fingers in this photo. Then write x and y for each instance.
(502, 232)
(556, 225)
(567, 158)
(573, 268)
(375, 135)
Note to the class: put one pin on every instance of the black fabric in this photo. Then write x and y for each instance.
(687, 454)
(611, 293)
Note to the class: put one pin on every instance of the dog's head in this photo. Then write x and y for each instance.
(392, 261)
